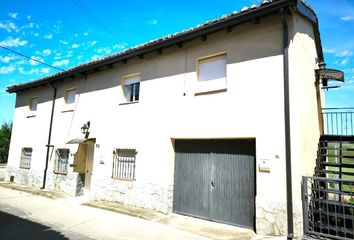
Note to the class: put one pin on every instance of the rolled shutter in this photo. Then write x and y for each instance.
(212, 68)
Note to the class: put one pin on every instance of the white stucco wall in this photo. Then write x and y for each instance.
(168, 109)
(304, 106)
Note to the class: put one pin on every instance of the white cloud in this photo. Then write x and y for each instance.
(95, 57)
(13, 15)
(3, 92)
(8, 26)
(75, 45)
(328, 50)
(32, 62)
(86, 34)
(57, 54)
(13, 42)
(46, 52)
(69, 54)
(348, 87)
(79, 57)
(29, 17)
(30, 72)
(119, 46)
(31, 25)
(45, 70)
(61, 63)
(7, 59)
(7, 69)
(57, 27)
(48, 36)
(347, 18)
(63, 42)
(93, 43)
(152, 22)
(36, 34)
(38, 71)
(345, 62)
(345, 53)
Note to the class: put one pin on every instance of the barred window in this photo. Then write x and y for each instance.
(61, 161)
(124, 164)
(26, 156)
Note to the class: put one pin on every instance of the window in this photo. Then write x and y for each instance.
(26, 155)
(69, 100)
(131, 88)
(70, 96)
(33, 104)
(124, 164)
(212, 73)
(61, 161)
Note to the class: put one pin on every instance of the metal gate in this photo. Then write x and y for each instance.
(215, 180)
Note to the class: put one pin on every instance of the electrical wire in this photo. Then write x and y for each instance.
(30, 58)
(88, 13)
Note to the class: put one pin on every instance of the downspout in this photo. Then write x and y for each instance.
(49, 137)
(289, 197)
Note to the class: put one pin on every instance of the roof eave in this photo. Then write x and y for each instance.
(240, 18)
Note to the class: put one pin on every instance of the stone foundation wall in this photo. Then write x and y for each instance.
(28, 177)
(64, 183)
(145, 195)
(271, 218)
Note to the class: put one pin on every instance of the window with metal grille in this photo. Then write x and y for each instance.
(131, 88)
(124, 164)
(26, 155)
(61, 161)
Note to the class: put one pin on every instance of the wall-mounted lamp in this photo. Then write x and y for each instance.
(85, 129)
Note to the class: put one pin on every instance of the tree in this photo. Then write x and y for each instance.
(5, 136)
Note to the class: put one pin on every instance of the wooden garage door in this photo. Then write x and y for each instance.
(215, 180)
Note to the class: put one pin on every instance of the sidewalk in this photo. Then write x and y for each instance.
(160, 225)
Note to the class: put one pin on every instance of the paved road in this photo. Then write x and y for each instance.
(27, 216)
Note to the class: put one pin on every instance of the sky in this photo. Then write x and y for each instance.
(66, 33)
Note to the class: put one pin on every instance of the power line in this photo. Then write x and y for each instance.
(93, 17)
(30, 58)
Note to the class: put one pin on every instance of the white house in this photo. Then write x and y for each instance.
(218, 122)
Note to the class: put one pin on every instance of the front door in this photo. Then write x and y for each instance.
(83, 165)
(88, 165)
(215, 180)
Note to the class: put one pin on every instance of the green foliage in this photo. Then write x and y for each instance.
(5, 136)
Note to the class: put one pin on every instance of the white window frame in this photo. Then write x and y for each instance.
(124, 164)
(26, 157)
(210, 85)
(69, 106)
(60, 162)
(132, 80)
(32, 111)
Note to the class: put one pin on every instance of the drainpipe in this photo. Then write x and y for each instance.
(289, 197)
(49, 136)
